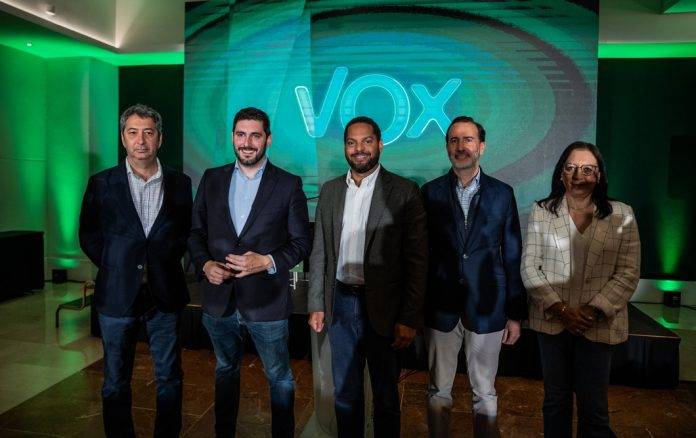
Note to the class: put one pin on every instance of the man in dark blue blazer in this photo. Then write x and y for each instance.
(475, 292)
(250, 226)
(134, 223)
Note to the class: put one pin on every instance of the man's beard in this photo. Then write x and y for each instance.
(366, 166)
(250, 161)
(470, 165)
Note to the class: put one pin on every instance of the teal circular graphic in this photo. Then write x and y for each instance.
(528, 74)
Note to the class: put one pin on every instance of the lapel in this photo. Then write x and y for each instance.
(266, 188)
(599, 236)
(484, 196)
(225, 188)
(383, 188)
(339, 201)
(448, 189)
(167, 199)
(561, 228)
(122, 195)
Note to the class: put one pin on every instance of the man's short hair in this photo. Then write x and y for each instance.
(142, 111)
(363, 119)
(466, 119)
(251, 113)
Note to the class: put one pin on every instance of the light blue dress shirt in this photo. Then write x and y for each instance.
(241, 197)
(466, 194)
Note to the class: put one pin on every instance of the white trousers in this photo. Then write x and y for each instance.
(482, 351)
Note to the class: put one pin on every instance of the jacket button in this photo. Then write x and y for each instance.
(465, 256)
(140, 266)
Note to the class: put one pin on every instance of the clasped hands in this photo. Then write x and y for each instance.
(575, 319)
(403, 334)
(237, 266)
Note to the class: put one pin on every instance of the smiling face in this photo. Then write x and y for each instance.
(464, 148)
(141, 139)
(580, 173)
(250, 141)
(361, 147)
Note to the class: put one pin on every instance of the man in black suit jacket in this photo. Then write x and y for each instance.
(367, 279)
(134, 224)
(250, 226)
(475, 292)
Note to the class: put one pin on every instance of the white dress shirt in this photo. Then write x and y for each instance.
(356, 209)
(147, 195)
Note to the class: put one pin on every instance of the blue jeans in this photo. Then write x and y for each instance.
(119, 338)
(271, 341)
(353, 341)
(574, 364)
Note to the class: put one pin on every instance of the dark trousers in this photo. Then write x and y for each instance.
(353, 341)
(574, 364)
(271, 341)
(119, 338)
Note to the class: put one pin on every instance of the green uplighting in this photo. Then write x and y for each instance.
(666, 324)
(647, 50)
(150, 58)
(681, 6)
(22, 141)
(31, 38)
(66, 263)
(669, 285)
(50, 48)
(671, 229)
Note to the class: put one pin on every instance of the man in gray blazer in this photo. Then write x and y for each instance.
(367, 278)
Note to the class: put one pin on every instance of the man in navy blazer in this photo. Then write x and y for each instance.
(250, 226)
(475, 293)
(134, 224)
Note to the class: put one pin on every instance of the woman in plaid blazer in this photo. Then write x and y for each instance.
(580, 265)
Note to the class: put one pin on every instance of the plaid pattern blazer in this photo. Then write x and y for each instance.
(612, 270)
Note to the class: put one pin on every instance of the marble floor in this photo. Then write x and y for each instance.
(50, 384)
(34, 355)
(72, 408)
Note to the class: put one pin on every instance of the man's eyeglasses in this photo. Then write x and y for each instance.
(585, 169)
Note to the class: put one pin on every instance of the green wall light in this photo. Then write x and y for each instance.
(647, 50)
(669, 285)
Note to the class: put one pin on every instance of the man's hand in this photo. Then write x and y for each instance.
(512, 332)
(316, 321)
(248, 263)
(216, 272)
(403, 336)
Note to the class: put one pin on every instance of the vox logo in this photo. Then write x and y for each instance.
(433, 104)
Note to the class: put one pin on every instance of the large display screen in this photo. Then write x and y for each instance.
(525, 69)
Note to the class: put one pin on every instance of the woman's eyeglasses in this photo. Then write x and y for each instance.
(585, 169)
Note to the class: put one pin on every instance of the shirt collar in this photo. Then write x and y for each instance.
(473, 184)
(258, 173)
(156, 176)
(367, 182)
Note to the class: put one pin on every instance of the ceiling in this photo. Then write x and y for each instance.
(122, 26)
(128, 29)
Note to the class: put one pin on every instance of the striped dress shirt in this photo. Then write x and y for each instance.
(466, 194)
(147, 195)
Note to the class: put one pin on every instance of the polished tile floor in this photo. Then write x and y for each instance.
(34, 355)
(50, 384)
(72, 408)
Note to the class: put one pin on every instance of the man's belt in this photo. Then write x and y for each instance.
(353, 289)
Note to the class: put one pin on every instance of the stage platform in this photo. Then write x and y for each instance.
(649, 359)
